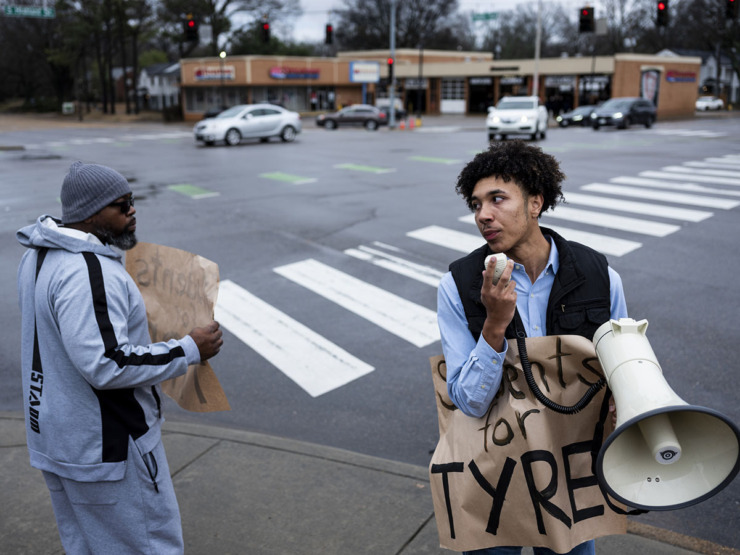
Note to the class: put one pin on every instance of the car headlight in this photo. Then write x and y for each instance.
(577, 118)
(496, 119)
(593, 115)
(525, 119)
(618, 115)
(560, 118)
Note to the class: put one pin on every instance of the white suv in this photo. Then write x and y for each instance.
(517, 115)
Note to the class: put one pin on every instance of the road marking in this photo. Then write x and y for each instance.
(449, 238)
(716, 165)
(670, 212)
(192, 191)
(434, 160)
(311, 361)
(727, 159)
(396, 264)
(622, 223)
(602, 243)
(361, 168)
(693, 177)
(409, 321)
(676, 198)
(689, 133)
(720, 173)
(288, 178)
(691, 187)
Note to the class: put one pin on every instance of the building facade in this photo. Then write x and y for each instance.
(436, 82)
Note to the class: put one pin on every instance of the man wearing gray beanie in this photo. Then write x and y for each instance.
(91, 372)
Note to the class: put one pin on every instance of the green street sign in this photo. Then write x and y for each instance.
(29, 11)
(488, 16)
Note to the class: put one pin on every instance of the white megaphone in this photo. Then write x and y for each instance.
(664, 453)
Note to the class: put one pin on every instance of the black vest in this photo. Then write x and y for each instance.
(579, 301)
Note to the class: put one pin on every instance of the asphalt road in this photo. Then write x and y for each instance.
(340, 236)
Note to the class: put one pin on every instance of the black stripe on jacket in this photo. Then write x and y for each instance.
(121, 414)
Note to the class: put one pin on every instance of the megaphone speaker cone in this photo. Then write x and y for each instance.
(708, 447)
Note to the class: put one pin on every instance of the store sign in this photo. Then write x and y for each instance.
(481, 81)
(281, 72)
(680, 76)
(364, 72)
(512, 81)
(215, 73)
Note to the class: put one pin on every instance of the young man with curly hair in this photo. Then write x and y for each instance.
(550, 286)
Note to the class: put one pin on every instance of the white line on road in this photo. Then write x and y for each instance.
(673, 186)
(693, 177)
(396, 264)
(657, 210)
(449, 238)
(310, 360)
(623, 223)
(676, 198)
(693, 171)
(409, 321)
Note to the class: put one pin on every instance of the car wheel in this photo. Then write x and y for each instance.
(543, 134)
(330, 124)
(563, 123)
(491, 137)
(288, 134)
(503, 137)
(625, 124)
(233, 137)
(649, 122)
(371, 125)
(596, 126)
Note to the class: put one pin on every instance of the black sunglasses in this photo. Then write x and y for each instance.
(124, 205)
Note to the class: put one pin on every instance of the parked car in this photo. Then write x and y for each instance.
(623, 112)
(704, 103)
(399, 115)
(356, 114)
(579, 116)
(249, 121)
(517, 115)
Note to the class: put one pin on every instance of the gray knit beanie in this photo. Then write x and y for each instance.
(88, 188)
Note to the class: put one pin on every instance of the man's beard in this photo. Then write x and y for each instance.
(124, 241)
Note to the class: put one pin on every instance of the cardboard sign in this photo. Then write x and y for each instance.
(522, 474)
(180, 291)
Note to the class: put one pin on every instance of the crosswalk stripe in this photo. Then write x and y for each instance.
(449, 238)
(314, 363)
(409, 321)
(434, 160)
(692, 171)
(601, 219)
(657, 210)
(728, 159)
(689, 133)
(673, 186)
(288, 178)
(602, 243)
(716, 165)
(693, 177)
(192, 191)
(364, 168)
(675, 198)
(396, 264)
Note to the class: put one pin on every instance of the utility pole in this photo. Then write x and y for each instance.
(538, 36)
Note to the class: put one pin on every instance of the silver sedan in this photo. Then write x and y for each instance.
(249, 121)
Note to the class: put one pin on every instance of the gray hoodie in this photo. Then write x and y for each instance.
(92, 381)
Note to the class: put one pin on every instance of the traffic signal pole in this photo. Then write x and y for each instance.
(392, 79)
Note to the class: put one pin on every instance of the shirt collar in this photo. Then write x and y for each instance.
(71, 232)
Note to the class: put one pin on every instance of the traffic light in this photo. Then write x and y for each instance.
(329, 35)
(586, 20)
(190, 28)
(265, 31)
(662, 13)
(390, 70)
(731, 9)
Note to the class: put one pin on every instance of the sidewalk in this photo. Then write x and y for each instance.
(247, 493)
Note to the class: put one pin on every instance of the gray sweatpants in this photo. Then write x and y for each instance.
(124, 516)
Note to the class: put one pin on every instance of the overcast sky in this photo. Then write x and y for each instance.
(310, 27)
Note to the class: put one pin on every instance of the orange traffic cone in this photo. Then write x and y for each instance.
(402, 125)
(411, 123)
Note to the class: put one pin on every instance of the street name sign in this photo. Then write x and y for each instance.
(487, 16)
(29, 11)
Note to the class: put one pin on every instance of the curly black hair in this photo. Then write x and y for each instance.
(534, 171)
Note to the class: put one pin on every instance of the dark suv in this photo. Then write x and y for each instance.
(356, 114)
(623, 112)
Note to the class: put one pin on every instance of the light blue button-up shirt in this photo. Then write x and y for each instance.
(474, 370)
